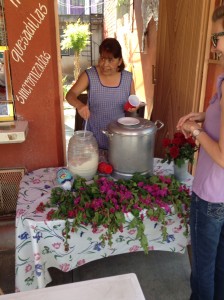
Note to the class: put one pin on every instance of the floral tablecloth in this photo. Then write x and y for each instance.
(40, 243)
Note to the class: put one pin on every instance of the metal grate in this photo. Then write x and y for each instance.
(9, 189)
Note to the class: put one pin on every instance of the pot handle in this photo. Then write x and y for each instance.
(159, 123)
(107, 133)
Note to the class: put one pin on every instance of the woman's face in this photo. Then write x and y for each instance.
(218, 39)
(108, 64)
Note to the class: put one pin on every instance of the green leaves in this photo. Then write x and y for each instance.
(75, 36)
(120, 217)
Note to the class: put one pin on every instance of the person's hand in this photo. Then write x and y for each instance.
(197, 117)
(84, 112)
(188, 127)
(133, 109)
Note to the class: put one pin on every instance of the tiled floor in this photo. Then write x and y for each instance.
(162, 275)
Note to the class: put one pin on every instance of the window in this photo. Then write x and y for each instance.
(77, 7)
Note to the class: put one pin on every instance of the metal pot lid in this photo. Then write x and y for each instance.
(140, 126)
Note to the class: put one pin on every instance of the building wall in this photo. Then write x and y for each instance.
(110, 18)
(126, 24)
(41, 100)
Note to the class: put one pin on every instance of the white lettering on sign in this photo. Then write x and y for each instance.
(33, 77)
(15, 2)
(32, 23)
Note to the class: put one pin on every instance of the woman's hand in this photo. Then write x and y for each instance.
(188, 127)
(189, 122)
(133, 109)
(84, 112)
(197, 117)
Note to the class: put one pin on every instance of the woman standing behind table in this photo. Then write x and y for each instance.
(207, 205)
(109, 87)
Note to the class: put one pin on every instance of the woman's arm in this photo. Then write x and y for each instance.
(81, 85)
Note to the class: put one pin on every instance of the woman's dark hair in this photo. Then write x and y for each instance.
(111, 45)
(218, 13)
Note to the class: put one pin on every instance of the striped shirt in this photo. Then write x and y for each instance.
(106, 104)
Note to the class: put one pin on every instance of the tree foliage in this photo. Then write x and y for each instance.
(76, 37)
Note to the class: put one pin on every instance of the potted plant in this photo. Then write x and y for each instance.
(180, 151)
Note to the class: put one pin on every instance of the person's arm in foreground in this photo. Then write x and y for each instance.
(214, 149)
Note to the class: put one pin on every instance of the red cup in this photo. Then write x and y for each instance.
(133, 101)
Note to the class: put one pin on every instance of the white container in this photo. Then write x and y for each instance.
(83, 154)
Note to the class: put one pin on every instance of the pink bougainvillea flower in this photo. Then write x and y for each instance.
(71, 214)
(105, 203)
